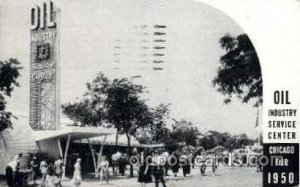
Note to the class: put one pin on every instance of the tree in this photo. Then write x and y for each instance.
(158, 130)
(83, 113)
(239, 73)
(117, 103)
(90, 110)
(243, 140)
(126, 110)
(215, 138)
(9, 73)
(184, 131)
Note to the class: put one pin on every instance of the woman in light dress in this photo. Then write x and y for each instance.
(104, 166)
(44, 171)
(77, 173)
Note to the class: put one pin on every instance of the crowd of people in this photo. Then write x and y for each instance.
(13, 172)
(152, 166)
(51, 172)
(155, 165)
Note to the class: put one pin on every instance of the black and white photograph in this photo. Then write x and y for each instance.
(130, 93)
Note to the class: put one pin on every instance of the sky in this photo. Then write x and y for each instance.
(90, 30)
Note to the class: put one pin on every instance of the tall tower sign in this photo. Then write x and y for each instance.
(44, 92)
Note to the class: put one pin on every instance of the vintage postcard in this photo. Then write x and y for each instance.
(130, 93)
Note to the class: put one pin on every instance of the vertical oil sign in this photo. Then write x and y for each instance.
(44, 112)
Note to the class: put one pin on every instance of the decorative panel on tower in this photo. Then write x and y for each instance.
(44, 92)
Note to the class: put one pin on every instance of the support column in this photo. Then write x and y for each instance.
(100, 154)
(59, 148)
(66, 154)
(93, 157)
(103, 142)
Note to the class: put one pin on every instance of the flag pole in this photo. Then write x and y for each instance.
(256, 125)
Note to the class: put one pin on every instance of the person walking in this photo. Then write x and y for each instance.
(104, 169)
(214, 164)
(145, 171)
(34, 171)
(189, 162)
(122, 163)
(10, 170)
(114, 162)
(77, 178)
(58, 169)
(158, 171)
(166, 165)
(174, 162)
(184, 163)
(18, 182)
(44, 171)
(201, 161)
(259, 167)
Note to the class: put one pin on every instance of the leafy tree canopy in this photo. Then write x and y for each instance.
(83, 113)
(214, 138)
(9, 73)
(239, 73)
(117, 102)
(124, 107)
(184, 131)
(158, 131)
(90, 110)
